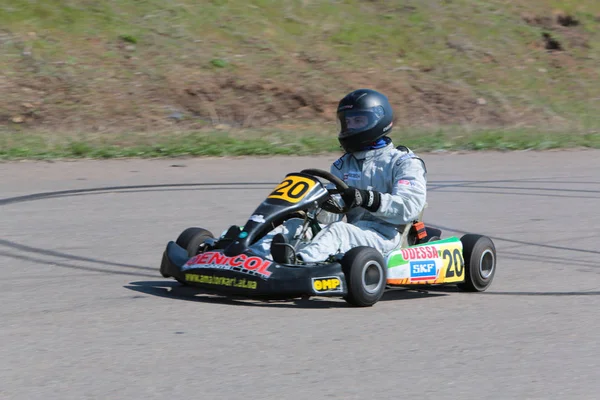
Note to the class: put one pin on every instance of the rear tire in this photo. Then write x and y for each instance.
(432, 234)
(365, 272)
(479, 253)
(192, 238)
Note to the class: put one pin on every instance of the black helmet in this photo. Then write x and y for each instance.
(365, 116)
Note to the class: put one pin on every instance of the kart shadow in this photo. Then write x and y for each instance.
(174, 290)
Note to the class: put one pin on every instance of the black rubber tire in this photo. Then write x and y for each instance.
(192, 238)
(355, 264)
(432, 234)
(479, 253)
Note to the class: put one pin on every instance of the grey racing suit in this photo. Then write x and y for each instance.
(401, 178)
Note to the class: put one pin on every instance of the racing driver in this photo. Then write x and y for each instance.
(387, 188)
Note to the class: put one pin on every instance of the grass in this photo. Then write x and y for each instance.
(122, 68)
(14, 146)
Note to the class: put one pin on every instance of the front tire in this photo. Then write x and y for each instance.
(364, 268)
(192, 238)
(479, 253)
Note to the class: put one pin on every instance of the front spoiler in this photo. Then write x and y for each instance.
(284, 281)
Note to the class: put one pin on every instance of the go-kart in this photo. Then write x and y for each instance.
(227, 265)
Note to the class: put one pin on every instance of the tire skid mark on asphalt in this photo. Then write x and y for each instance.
(72, 266)
(574, 238)
(66, 193)
(541, 189)
(549, 259)
(468, 190)
(127, 191)
(432, 186)
(47, 278)
(522, 242)
(58, 254)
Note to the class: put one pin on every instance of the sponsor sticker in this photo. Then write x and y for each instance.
(258, 218)
(423, 270)
(328, 284)
(221, 281)
(241, 263)
(420, 253)
(352, 176)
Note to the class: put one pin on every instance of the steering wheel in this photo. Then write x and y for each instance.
(340, 185)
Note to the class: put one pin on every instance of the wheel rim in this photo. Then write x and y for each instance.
(372, 277)
(487, 263)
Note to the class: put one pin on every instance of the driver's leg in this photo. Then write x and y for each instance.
(290, 229)
(340, 237)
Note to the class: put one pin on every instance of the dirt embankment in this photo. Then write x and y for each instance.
(42, 94)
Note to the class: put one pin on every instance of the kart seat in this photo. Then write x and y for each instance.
(409, 235)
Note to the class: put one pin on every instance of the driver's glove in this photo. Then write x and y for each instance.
(368, 199)
(332, 206)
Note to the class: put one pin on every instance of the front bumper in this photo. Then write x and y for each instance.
(280, 281)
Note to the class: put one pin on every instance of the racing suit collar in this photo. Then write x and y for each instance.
(368, 154)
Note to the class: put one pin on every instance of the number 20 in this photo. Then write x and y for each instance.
(292, 190)
(456, 263)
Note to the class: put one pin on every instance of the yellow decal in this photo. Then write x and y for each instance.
(292, 189)
(328, 284)
(454, 265)
(221, 281)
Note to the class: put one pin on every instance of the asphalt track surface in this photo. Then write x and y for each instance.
(86, 315)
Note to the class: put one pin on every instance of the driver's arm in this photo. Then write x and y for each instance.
(409, 193)
(326, 217)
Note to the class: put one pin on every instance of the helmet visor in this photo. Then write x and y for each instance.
(353, 121)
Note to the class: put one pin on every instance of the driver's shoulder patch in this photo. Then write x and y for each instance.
(339, 162)
(409, 154)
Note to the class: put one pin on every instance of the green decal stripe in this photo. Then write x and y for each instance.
(452, 239)
(396, 261)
